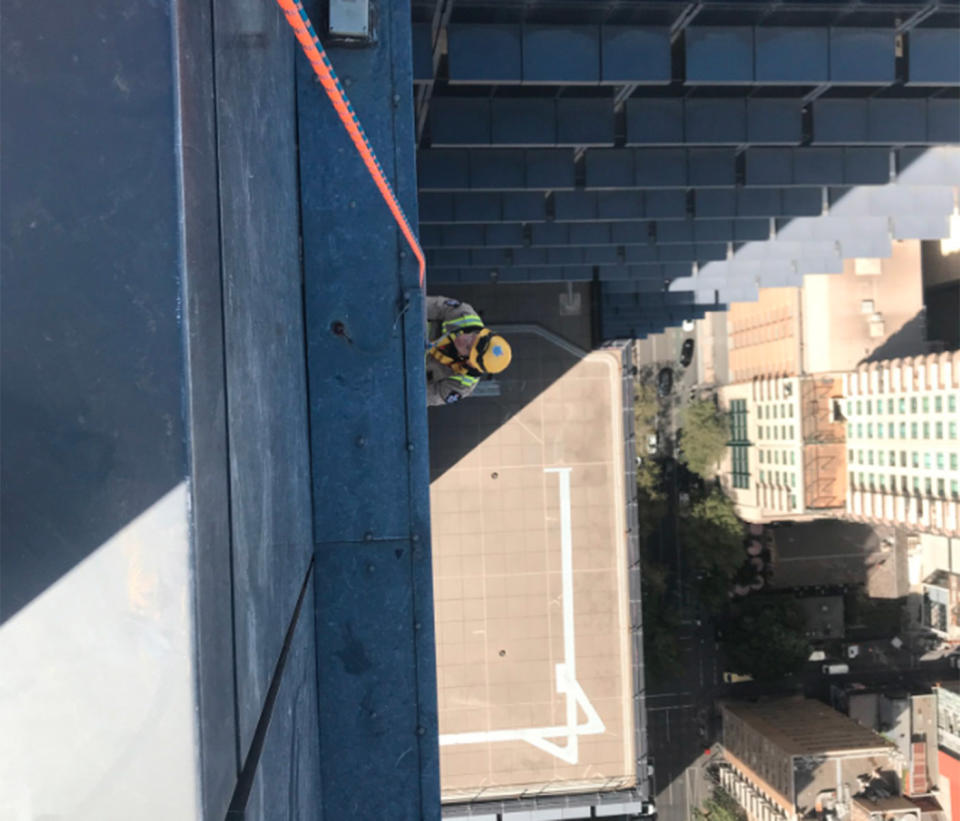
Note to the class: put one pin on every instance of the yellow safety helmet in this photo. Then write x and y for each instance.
(490, 353)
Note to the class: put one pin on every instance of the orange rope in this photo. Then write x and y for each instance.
(303, 28)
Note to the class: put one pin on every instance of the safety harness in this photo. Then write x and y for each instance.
(445, 352)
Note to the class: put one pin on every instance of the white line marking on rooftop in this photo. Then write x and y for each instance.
(566, 671)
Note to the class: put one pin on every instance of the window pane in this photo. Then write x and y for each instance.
(902, 405)
(889, 406)
(926, 404)
(913, 404)
(939, 430)
(926, 430)
(951, 403)
(890, 430)
(940, 461)
(938, 404)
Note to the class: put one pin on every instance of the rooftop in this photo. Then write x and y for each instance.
(800, 726)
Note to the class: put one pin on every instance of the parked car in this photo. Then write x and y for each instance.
(664, 382)
(687, 326)
(686, 352)
(835, 669)
(853, 651)
(647, 810)
(735, 678)
(653, 443)
(817, 655)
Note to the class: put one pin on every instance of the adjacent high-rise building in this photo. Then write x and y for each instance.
(833, 322)
(903, 442)
(787, 457)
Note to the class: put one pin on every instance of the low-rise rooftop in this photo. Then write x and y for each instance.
(806, 727)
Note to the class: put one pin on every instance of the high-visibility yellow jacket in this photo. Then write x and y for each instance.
(447, 384)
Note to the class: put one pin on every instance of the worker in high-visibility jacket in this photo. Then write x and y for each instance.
(460, 350)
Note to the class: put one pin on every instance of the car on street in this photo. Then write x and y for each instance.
(686, 352)
(835, 669)
(735, 678)
(647, 810)
(687, 326)
(664, 382)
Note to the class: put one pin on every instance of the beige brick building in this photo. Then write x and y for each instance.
(787, 457)
(833, 322)
(764, 336)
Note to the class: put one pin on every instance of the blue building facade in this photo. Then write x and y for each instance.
(680, 155)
